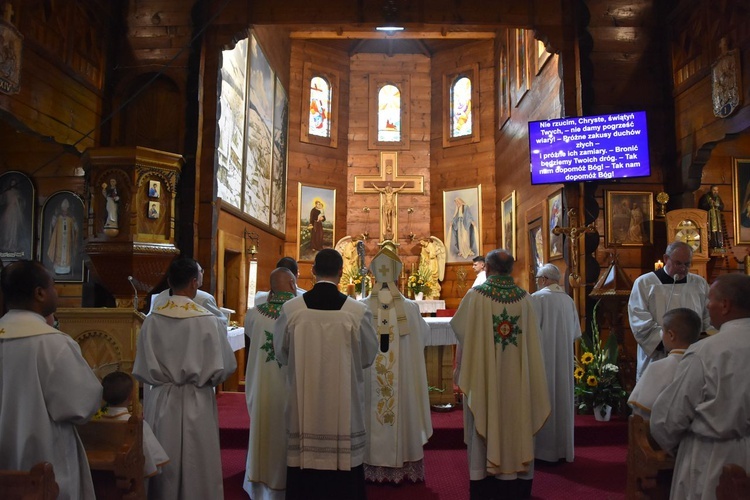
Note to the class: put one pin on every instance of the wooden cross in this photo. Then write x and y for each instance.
(389, 184)
(574, 231)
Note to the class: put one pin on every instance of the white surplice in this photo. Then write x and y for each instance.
(153, 452)
(706, 411)
(559, 328)
(204, 299)
(648, 303)
(325, 409)
(266, 394)
(46, 389)
(397, 403)
(501, 361)
(183, 353)
(657, 376)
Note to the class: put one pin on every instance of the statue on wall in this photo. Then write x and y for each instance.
(112, 204)
(432, 257)
(711, 203)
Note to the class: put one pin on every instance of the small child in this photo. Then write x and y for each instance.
(117, 393)
(681, 328)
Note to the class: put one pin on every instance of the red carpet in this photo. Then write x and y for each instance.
(599, 470)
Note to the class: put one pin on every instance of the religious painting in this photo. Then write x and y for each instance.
(154, 189)
(316, 220)
(259, 141)
(462, 216)
(741, 195)
(16, 217)
(536, 248)
(153, 210)
(503, 82)
(231, 124)
(61, 241)
(508, 218)
(522, 64)
(278, 172)
(629, 218)
(555, 218)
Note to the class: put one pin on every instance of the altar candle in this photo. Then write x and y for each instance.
(658, 265)
(350, 290)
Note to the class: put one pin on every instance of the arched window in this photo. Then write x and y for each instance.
(461, 118)
(389, 114)
(319, 123)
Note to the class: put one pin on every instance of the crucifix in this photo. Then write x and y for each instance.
(388, 184)
(574, 231)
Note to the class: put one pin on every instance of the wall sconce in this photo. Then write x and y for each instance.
(411, 236)
(366, 233)
(251, 248)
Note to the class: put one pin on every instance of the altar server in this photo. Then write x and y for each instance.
(655, 293)
(183, 352)
(559, 328)
(46, 387)
(397, 403)
(501, 374)
(265, 392)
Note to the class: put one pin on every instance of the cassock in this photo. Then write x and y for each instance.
(153, 452)
(657, 376)
(204, 299)
(327, 340)
(265, 392)
(183, 352)
(46, 389)
(397, 402)
(651, 294)
(501, 361)
(706, 411)
(559, 328)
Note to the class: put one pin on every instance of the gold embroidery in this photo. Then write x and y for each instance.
(386, 413)
(191, 306)
(2, 331)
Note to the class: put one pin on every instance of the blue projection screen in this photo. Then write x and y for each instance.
(589, 148)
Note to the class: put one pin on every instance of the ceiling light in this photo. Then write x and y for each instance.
(390, 29)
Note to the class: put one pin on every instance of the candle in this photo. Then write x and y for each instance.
(658, 265)
(350, 290)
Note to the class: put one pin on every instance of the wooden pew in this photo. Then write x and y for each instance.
(37, 484)
(115, 453)
(649, 467)
(734, 484)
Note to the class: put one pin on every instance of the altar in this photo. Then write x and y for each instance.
(430, 306)
(439, 360)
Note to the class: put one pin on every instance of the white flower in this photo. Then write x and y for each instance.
(609, 367)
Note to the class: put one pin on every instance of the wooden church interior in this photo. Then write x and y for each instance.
(132, 91)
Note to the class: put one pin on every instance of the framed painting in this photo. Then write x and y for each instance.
(536, 249)
(17, 204)
(61, 241)
(462, 216)
(259, 111)
(741, 195)
(503, 82)
(522, 61)
(554, 218)
(316, 220)
(278, 170)
(628, 218)
(230, 128)
(508, 218)
(154, 189)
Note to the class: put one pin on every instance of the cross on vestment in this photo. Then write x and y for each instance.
(389, 184)
(574, 231)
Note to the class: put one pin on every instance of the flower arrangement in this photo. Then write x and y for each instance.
(419, 280)
(596, 382)
(353, 275)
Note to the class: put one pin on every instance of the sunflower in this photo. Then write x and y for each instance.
(587, 358)
(578, 373)
(591, 381)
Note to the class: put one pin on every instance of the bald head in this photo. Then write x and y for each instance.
(283, 280)
(729, 298)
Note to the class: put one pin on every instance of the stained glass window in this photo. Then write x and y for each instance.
(461, 119)
(389, 114)
(320, 107)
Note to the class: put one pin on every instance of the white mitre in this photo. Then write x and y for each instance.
(386, 267)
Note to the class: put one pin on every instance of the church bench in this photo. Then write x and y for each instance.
(115, 453)
(36, 484)
(649, 467)
(734, 484)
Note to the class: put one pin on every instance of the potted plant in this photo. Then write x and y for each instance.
(597, 387)
(419, 282)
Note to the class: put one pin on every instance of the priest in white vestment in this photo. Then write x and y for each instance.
(559, 328)
(183, 352)
(327, 340)
(397, 403)
(501, 374)
(46, 387)
(284, 262)
(705, 411)
(266, 393)
(682, 327)
(656, 292)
